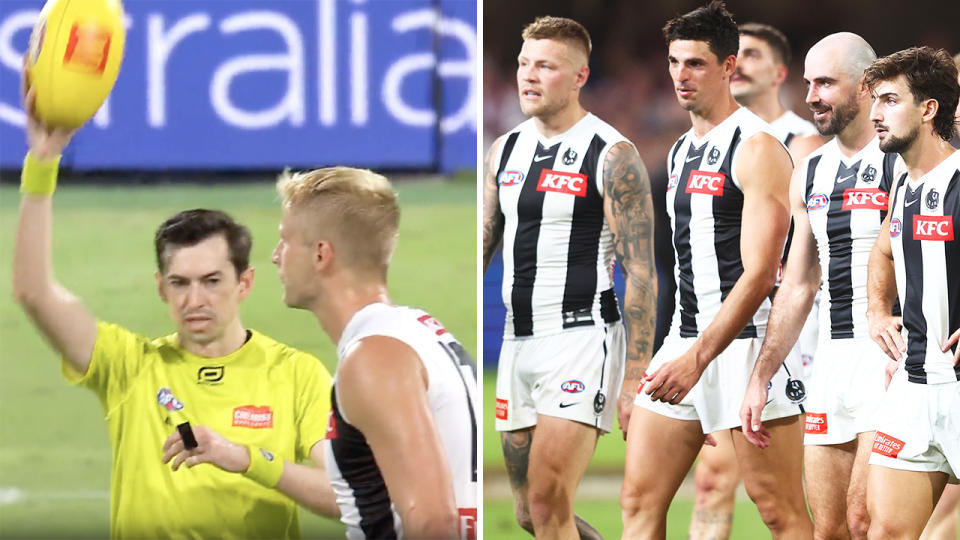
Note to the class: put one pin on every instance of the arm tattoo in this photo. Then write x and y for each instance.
(516, 454)
(492, 216)
(626, 186)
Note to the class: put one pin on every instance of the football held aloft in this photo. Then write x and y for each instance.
(75, 52)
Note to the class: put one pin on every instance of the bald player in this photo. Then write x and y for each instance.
(762, 69)
(838, 195)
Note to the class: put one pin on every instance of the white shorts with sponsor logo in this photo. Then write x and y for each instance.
(918, 427)
(716, 398)
(845, 390)
(574, 375)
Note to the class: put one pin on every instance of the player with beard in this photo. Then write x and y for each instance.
(564, 191)
(761, 70)
(839, 196)
(916, 258)
(727, 261)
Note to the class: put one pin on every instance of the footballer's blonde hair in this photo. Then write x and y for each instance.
(560, 29)
(357, 208)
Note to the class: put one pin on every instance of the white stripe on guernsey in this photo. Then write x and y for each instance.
(14, 495)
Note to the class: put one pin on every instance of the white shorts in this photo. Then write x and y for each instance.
(807, 342)
(845, 390)
(716, 398)
(918, 427)
(574, 375)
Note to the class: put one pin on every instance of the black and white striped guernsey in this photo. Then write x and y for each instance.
(846, 204)
(705, 205)
(557, 246)
(365, 505)
(925, 240)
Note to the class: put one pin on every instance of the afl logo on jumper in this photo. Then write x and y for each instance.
(563, 182)
(896, 226)
(432, 324)
(572, 386)
(674, 180)
(817, 201)
(705, 182)
(510, 178)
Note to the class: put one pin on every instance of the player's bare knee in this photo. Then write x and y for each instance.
(521, 511)
(858, 521)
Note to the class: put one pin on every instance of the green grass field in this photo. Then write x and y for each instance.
(601, 509)
(54, 451)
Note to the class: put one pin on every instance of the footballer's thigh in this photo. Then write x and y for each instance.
(900, 501)
(827, 469)
(772, 476)
(660, 451)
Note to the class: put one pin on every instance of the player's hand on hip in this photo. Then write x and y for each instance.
(673, 380)
(211, 448)
(954, 338)
(885, 330)
(751, 411)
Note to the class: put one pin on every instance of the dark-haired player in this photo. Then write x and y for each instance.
(564, 191)
(272, 400)
(762, 69)
(727, 260)
(916, 258)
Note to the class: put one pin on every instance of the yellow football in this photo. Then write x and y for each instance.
(74, 57)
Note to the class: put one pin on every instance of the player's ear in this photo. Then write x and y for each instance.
(160, 291)
(781, 74)
(729, 66)
(929, 108)
(323, 254)
(245, 280)
(582, 75)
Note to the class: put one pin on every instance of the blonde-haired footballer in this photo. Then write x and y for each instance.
(271, 399)
(401, 449)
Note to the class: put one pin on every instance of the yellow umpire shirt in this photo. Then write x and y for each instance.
(264, 393)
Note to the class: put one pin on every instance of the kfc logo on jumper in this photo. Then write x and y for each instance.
(253, 417)
(886, 445)
(432, 324)
(563, 182)
(864, 198)
(501, 409)
(708, 183)
(816, 423)
(510, 178)
(937, 228)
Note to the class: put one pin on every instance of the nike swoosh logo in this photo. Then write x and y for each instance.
(541, 158)
(689, 159)
(844, 179)
(905, 203)
(565, 405)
